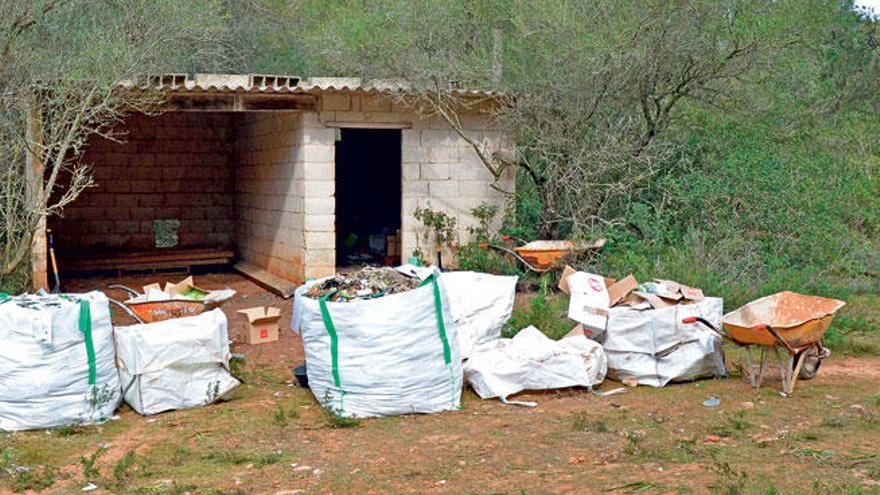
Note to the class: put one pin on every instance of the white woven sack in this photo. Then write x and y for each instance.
(175, 364)
(391, 355)
(532, 361)
(57, 361)
(655, 347)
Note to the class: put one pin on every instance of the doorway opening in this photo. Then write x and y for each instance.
(368, 197)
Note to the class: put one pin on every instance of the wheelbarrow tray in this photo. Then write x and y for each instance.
(545, 254)
(800, 320)
(153, 311)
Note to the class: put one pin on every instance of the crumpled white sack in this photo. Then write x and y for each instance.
(175, 364)
(532, 361)
(480, 304)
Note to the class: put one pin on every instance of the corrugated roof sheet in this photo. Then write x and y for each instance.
(274, 84)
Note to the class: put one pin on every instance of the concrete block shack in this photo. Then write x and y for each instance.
(289, 178)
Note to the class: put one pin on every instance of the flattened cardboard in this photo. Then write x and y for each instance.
(692, 293)
(618, 291)
(263, 324)
(655, 301)
(563, 280)
(152, 287)
(182, 287)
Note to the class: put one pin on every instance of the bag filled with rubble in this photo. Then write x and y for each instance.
(57, 361)
(380, 355)
(175, 364)
(654, 347)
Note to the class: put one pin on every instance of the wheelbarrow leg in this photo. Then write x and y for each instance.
(790, 367)
(798, 364)
(751, 367)
(785, 366)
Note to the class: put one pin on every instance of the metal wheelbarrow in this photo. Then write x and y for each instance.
(785, 321)
(543, 256)
(153, 311)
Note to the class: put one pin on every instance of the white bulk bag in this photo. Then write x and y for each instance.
(532, 361)
(56, 361)
(480, 304)
(655, 347)
(395, 354)
(175, 364)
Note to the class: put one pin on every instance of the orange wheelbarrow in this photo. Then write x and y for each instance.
(153, 311)
(784, 321)
(543, 256)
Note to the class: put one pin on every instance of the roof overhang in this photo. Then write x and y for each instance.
(261, 92)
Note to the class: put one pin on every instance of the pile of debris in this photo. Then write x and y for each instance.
(641, 327)
(366, 283)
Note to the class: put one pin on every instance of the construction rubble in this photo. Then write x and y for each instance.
(383, 341)
(366, 283)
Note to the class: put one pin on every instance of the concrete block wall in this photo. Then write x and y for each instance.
(440, 169)
(268, 197)
(170, 166)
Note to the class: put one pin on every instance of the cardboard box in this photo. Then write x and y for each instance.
(263, 324)
(589, 302)
(183, 288)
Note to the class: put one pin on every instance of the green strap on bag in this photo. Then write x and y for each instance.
(334, 347)
(85, 326)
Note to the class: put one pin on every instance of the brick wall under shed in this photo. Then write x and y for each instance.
(171, 166)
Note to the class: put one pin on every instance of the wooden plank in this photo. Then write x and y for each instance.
(147, 259)
(369, 125)
(34, 172)
(99, 257)
(280, 286)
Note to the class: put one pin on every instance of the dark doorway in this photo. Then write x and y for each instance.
(368, 192)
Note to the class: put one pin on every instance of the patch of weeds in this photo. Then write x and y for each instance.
(89, 464)
(738, 421)
(546, 311)
(809, 437)
(833, 422)
(31, 478)
(69, 430)
(640, 486)
(633, 442)
(336, 420)
(122, 468)
(820, 455)
(279, 416)
(730, 481)
(172, 489)
(259, 459)
(262, 460)
(580, 421)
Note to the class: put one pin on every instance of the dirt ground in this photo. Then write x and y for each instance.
(273, 438)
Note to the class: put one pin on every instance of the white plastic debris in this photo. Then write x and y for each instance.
(390, 355)
(480, 304)
(175, 364)
(56, 361)
(654, 347)
(532, 361)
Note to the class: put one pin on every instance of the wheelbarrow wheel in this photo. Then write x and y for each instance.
(812, 361)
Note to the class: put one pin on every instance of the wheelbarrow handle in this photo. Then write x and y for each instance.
(130, 291)
(700, 319)
(126, 309)
(767, 328)
(516, 255)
